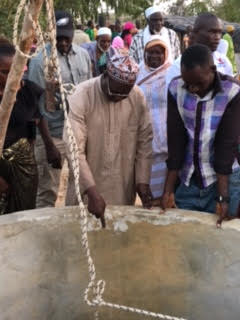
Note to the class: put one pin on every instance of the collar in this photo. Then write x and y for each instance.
(217, 85)
(73, 50)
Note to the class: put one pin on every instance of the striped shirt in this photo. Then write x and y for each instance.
(203, 133)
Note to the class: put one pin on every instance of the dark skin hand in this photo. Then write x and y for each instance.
(96, 205)
(222, 212)
(4, 186)
(53, 154)
(145, 195)
(168, 198)
(222, 208)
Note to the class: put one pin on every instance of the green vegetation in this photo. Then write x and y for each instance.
(227, 9)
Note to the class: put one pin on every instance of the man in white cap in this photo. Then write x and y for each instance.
(112, 127)
(155, 24)
(100, 50)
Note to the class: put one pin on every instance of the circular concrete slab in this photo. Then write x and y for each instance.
(177, 263)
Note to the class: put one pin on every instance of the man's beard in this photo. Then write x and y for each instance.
(101, 49)
(155, 32)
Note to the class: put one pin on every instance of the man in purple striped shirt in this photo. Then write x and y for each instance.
(203, 131)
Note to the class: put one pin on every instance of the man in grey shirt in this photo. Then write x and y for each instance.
(50, 151)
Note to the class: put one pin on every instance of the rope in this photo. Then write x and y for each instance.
(52, 70)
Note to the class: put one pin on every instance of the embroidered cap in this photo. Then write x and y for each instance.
(123, 69)
(64, 24)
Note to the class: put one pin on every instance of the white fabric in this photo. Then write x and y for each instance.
(223, 47)
(104, 31)
(147, 36)
(151, 10)
(220, 60)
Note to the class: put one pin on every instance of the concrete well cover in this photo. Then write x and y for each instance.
(177, 264)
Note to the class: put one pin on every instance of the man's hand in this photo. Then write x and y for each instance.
(145, 195)
(96, 204)
(4, 186)
(222, 212)
(53, 156)
(168, 200)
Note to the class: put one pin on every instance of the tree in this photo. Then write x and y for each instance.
(195, 7)
(229, 10)
(131, 8)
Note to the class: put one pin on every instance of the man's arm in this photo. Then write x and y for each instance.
(77, 117)
(225, 151)
(53, 154)
(177, 141)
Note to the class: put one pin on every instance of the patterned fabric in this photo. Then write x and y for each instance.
(123, 69)
(137, 46)
(118, 43)
(213, 108)
(18, 167)
(153, 85)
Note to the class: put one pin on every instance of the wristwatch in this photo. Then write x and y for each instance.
(222, 199)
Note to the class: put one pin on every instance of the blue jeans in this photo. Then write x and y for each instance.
(194, 198)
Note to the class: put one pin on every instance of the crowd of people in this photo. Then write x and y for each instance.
(148, 119)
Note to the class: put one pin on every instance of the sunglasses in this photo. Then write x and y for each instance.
(113, 94)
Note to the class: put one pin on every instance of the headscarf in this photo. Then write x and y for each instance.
(118, 43)
(129, 25)
(146, 72)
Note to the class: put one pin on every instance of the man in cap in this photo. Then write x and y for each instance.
(230, 52)
(75, 67)
(99, 50)
(112, 127)
(207, 30)
(155, 24)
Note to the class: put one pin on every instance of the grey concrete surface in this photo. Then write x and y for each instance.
(177, 263)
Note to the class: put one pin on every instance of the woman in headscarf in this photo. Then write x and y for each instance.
(129, 30)
(151, 79)
(18, 169)
(118, 45)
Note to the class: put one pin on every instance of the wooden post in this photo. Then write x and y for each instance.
(16, 72)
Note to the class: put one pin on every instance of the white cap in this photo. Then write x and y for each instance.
(104, 31)
(152, 10)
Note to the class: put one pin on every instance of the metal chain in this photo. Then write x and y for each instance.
(51, 67)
